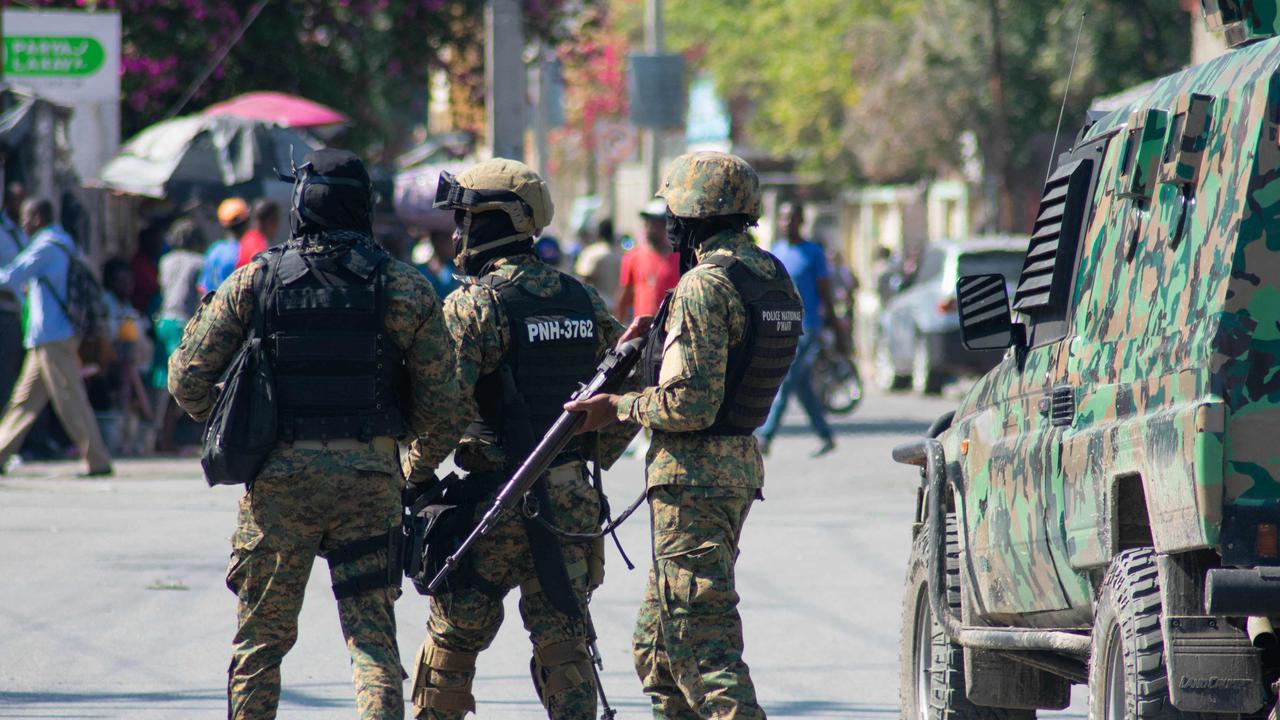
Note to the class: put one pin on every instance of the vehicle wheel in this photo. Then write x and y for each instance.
(1127, 678)
(924, 379)
(885, 377)
(931, 667)
(837, 383)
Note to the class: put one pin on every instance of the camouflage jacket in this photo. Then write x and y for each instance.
(706, 318)
(480, 331)
(413, 323)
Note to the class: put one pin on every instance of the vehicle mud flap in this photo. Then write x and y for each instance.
(1212, 666)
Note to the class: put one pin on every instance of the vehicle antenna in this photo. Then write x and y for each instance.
(1065, 94)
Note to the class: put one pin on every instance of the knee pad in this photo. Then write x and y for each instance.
(560, 666)
(435, 685)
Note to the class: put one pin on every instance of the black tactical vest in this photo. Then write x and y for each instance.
(337, 374)
(553, 347)
(759, 363)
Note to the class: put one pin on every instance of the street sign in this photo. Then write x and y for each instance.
(616, 141)
(657, 90)
(68, 56)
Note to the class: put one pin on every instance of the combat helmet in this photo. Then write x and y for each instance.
(707, 184)
(502, 185)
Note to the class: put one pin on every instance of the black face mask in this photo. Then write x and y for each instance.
(484, 227)
(680, 233)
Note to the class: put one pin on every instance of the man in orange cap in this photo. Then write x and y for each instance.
(220, 259)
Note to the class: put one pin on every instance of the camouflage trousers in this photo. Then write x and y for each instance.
(688, 638)
(465, 622)
(305, 503)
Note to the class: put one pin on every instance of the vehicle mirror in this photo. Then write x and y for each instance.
(986, 322)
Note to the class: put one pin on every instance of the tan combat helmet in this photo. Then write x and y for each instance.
(707, 184)
(499, 184)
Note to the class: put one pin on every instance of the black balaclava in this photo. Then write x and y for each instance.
(485, 227)
(686, 234)
(331, 192)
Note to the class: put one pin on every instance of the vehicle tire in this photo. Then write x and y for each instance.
(1127, 677)
(931, 667)
(837, 383)
(884, 375)
(924, 379)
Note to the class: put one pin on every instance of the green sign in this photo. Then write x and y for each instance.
(56, 56)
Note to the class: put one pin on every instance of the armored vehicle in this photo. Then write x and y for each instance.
(1103, 505)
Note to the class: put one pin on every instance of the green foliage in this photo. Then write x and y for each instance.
(882, 90)
(370, 59)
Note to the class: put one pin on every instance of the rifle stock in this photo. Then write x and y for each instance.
(612, 370)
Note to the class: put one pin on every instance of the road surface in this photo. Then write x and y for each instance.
(112, 602)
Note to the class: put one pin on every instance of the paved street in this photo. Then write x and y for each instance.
(112, 602)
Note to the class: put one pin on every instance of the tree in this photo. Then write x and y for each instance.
(883, 91)
(370, 59)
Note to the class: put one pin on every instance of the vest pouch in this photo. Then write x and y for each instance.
(242, 428)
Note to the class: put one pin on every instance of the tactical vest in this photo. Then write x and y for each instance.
(554, 343)
(759, 363)
(337, 373)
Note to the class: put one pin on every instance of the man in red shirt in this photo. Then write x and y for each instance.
(650, 269)
(266, 220)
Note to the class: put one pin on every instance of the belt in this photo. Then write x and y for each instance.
(383, 444)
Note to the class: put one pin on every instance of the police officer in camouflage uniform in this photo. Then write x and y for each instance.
(723, 345)
(361, 359)
(526, 336)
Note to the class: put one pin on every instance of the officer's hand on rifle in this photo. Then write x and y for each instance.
(639, 326)
(601, 410)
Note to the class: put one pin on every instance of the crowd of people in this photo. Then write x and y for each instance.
(105, 383)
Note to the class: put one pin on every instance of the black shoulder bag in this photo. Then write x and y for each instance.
(242, 428)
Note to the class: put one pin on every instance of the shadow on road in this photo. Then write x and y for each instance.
(887, 426)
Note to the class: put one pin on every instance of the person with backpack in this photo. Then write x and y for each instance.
(60, 313)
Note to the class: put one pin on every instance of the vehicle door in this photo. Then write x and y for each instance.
(1012, 459)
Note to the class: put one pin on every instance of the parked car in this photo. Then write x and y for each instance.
(1103, 506)
(918, 343)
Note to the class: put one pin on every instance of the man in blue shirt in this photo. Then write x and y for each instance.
(12, 242)
(51, 370)
(221, 257)
(806, 262)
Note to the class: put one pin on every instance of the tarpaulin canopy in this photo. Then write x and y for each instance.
(280, 108)
(201, 150)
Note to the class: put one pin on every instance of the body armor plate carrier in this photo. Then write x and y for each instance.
(338, 375)
(759, 363)
(553, 348)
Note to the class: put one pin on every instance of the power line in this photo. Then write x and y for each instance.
(217, 60)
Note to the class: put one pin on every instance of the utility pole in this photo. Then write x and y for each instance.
(505, 78)
(650, 150)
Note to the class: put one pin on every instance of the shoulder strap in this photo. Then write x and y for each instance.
(62, 302)
(263, 281)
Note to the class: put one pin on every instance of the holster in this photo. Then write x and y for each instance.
(437, 525)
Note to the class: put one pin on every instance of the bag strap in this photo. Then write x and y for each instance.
(62, 302)
(263, 281)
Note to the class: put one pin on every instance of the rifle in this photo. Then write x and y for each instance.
(612, 370)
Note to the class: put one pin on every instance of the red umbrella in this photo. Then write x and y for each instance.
(280, 108)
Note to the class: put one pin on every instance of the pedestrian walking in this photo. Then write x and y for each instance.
(12, 241)
(526, 335)
(221, 257)
(179, 295)
(264, 222)
(51, 370)
(721, 349)
(648, 270)
(600, 263)
(361, 359)
(806, 262)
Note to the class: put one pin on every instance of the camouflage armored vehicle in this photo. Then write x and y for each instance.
(1103, 506)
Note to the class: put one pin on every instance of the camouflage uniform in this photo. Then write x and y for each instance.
(688, 636)
(464, 622)
(306, 502)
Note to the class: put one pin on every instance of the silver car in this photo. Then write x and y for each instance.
(918, 344)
